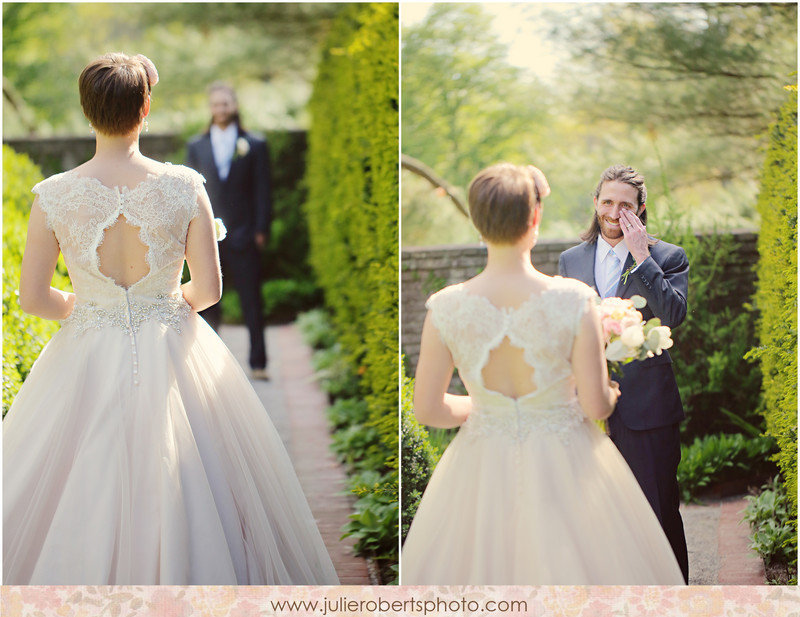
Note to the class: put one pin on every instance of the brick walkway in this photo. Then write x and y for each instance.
(719, 552)
(739, 564)
(297, 408)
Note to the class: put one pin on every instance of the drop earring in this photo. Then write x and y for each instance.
(146, 126)
(91, 128)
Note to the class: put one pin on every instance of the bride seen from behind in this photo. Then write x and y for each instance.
(529, 492)
(136, 451)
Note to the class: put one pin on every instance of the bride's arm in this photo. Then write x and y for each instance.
(596, 394)
(202, 256)
(432, 403)
(36, 296)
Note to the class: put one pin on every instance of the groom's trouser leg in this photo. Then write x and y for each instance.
(653, 456)
(246, 278)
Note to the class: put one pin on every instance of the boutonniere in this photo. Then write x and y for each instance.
(627, 272)
(242, 148)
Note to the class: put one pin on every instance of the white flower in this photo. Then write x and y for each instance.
(242, 147)
(659, 338)
(219, 230)
(632, 336)
(617, 351)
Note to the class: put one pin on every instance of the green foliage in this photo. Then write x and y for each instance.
(418, 457)
(347, 412)
(231, 306)
(335, 373)
(776, 294)
(440, 438)
(352, 217)
(282, 300)
(373, 523)
(316, 328)
(354, 443)
(719, 62)
(23, 335)
(771, 520)
(711, 343)
(717, 458)
(285, 298)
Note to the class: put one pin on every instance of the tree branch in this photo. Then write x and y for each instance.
(419, 168)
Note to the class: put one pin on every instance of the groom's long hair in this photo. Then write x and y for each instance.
(627, 175)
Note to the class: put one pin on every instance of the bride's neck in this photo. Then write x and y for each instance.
(509, 259)
(118, 147)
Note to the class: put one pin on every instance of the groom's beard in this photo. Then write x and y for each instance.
(610, 229)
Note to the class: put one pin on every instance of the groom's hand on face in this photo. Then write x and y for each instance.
(635, 235)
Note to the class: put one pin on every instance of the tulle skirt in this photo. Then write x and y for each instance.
(179, 479)
(538, 511)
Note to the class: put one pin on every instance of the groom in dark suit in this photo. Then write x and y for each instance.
(235, 164)
(618, 258)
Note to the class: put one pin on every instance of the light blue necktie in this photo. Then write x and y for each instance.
(613, 268)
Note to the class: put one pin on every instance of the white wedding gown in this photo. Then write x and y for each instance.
(136, 452)
(529, 492)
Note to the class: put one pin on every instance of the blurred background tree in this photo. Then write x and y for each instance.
(268, 51)
(462, 101)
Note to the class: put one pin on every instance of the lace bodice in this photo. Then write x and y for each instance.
(80, 209)
(544, 326)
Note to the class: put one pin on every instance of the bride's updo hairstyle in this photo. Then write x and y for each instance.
(113, 90)
(502, 199)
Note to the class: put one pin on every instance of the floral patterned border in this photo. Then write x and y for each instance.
(128, 601)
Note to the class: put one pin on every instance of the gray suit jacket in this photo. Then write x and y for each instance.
(650, 397)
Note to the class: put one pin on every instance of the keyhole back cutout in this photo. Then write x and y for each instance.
(507, 372)
(122, 256)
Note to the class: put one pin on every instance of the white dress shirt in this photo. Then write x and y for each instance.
(223, 145)
(600, 256)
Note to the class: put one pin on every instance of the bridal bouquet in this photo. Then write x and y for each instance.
(220, 230)
(627, 336)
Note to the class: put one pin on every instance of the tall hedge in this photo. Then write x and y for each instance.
(418, 457)
(776, 294)
(352, 205)
(23, 335)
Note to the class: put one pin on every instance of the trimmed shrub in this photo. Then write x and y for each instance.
(419, 457)
(776, 294)
(352, 179)
(24, 336)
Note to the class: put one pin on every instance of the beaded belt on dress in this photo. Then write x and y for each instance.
(129, 316)
(519, 422)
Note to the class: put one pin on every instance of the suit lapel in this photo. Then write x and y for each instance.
(207, 155)
(586, 265)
